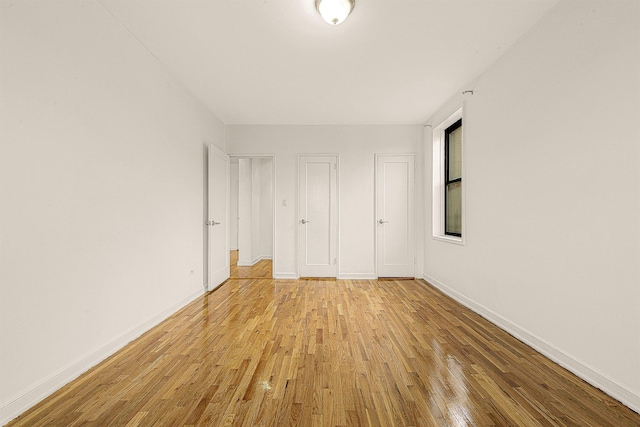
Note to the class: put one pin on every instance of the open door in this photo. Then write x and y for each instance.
(218, 219)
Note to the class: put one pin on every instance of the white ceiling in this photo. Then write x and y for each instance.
(278, 62)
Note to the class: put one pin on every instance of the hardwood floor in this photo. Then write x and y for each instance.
(263, 352)
(260, 270)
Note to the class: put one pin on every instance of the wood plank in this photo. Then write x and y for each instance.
(262, 269)
(268, 352)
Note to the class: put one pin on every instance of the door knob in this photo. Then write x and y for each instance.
(304, 221)
(381, 221)
(212, 223)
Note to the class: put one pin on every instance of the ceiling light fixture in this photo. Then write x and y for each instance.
(335, 12)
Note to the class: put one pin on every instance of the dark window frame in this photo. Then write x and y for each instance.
(456, 125)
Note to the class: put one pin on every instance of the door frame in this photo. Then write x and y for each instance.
(273, 201)
(299, 213)
(375, 205)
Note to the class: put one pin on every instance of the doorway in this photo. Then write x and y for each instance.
(252, 211)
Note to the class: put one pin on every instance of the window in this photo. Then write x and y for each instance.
(453, 180)
(448, 191)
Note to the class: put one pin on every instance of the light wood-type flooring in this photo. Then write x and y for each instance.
(260, 270)
(263, 352)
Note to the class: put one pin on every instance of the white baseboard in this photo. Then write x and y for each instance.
(253, 261)
(38, 391)
(341, 276)
(624, 394)
(285, 276)
(356, 276)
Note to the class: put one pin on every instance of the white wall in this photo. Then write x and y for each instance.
(266, 208)
(256, 210)
(234, 172)
(256, 189)
(552, 176)
(356, 146)
(245, 212)
(102, 169)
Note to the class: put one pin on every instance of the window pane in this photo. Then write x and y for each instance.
(453, 209)
(455, 154)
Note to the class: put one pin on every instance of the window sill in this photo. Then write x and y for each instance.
(450, 239)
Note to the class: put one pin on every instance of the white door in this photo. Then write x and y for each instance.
(395, 215)
(318, 216)
(218, 220)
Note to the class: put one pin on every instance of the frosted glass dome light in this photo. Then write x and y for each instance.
(335, 12)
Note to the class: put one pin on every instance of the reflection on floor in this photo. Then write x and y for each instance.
(260, 270)
(271, 352)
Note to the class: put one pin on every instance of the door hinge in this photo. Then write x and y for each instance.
(335, 261)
